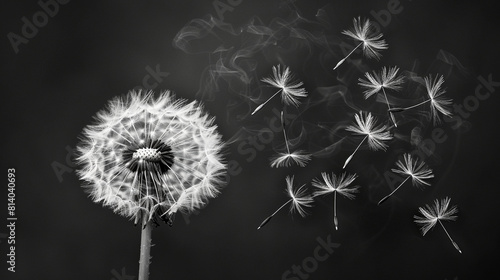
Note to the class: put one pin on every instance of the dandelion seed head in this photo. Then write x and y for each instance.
(146, 157)
(298, 157)
(299, 196)
(438, 102)
(291, 90)
(365, 32)
(417, 170)
(333, 183)
(376, 135)
(431, 214)
(385, 79)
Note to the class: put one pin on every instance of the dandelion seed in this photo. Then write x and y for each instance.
(372, 42)
(417, 171)
(375, 135)
(298, 157)
(381, 81)
(438, 102)
(298, 199)
(333, 184)
(147, 158)
(290, 90)
(434, 214)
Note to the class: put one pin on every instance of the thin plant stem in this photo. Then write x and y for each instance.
(350, 157)
(387, 196)
(284, 133)
(389, 106)
(342, 60)
(335, 220)
(452, 242)
(145, 251)
(262, 105)
(266, 220)
(396, 110)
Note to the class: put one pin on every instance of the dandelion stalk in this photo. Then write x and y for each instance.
(352, 155)
(389, 195)
(397, 110)
(145, 251)
(335, 220)
(343, 59)
(393, 119)
(262, 105)
(266, 220)
(449, 237)
(284, 132)
(298, 157)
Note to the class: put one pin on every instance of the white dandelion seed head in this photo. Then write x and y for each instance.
(432, 214)
(376, 135)
(365, 32)
(299, 157)
(299, 196)
(291, 91)
(438, 102)
(417, 170)
(333, 183)
(385, 79)
(146, 157)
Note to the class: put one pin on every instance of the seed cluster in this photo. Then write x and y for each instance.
(148, 154)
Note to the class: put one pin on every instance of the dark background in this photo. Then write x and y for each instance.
(90, 52)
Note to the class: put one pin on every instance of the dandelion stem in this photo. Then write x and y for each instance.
(262, 105)
(145, 251)
(387, 196)
(452, 242)
(342, 60)
(389, 106)
(266, 220)
(350, 157)
(397, 110)
(335, 220)
(284, 133)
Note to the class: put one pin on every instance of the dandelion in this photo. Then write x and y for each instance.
(438, 102)
(298, 199)
(286, 159)
(148, 158)
(290, 91)
(417, 171)
(381, 81)
(333, 184)
(372, 42)
(375, 135)
(434, 214)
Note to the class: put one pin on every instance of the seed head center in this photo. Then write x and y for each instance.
(147, 154)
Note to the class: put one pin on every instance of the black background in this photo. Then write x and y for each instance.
(92, 51)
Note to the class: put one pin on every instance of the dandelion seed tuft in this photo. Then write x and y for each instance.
(299, 199)
(372, 42)
(376, 135)
(431, 215)
(290, 90)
